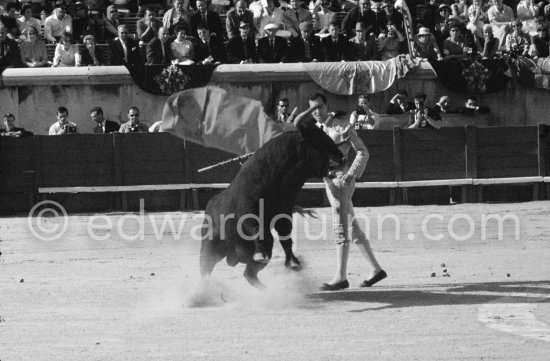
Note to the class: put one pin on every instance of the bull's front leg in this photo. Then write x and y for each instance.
(254, 231)
(283, 227)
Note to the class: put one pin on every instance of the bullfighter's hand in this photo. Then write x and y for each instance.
(347, 178)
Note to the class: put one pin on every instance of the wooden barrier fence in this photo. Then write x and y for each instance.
(99, 172)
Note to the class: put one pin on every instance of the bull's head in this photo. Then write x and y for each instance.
(320, 151)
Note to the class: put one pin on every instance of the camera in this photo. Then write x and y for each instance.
(69, 128)
(133, 129)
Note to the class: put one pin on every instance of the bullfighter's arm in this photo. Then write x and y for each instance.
(362, 155)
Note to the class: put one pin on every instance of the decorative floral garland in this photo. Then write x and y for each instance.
(172, 80)
(476, 74)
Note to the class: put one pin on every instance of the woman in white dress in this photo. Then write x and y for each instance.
(182, 47)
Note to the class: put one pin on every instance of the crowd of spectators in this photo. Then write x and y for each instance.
(265, 31)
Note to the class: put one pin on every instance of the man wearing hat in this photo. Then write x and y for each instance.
(241, 49)
(362, 46)
(295, 15)
(307, 47)
(392, 16)
(82, 23)
(272, 48)
(360, 14)
(425, 46)
(237, 15)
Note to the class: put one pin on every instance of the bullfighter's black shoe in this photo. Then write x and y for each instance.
(377, 278)
(335, 287)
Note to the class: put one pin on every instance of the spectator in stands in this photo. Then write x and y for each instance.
(393, 16)
(240, 14)
(148, 27)
(82, 24)
(67, 53)
(57, 24)
(335, 46)
(517, 42)
(471, 107)
(208, 50)
(111, 24)
(272, 48)
(43, 16)
(95, 8)
(9, 20)
(33, 50)
(527, 10)
(266, 13)
(381, 21)
(11, 130)
(294, 16)
(363, 117)
(345, 6)
(90, 54)
(133, 125)
(26, 20)
(361, 14)
(307, 47)
(476, 18)
(103, 126)
(399, 104)
(501, 15)
(422, 116)
(540, 43)
(282, 111)
(390, 45)
(126, 6)
(178, 14)
(62, 126)
(425, 46)
(159, 51)
(182, 47)
(207, 19)
(241, 49)
(362, 46)
(441, 24)
(487, 46)
(459, 10)
(124, 49)
(10, 57)
(326, 16)
(453, 46)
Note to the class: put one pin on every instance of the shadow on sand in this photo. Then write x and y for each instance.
(448, 294)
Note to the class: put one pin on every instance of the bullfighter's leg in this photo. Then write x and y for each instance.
(251, 274)
(283, 226)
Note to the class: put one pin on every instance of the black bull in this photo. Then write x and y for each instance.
(271, 178)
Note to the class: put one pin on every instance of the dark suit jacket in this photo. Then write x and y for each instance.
(236, 53)
(215, 48)
(297, 49)
(213, 24)
(267, 54)
(117, 53)
(233, 20)
(86, 58)
(10, 57)
(110, 127)
(334, 51)
(354, 17)
(154, 52)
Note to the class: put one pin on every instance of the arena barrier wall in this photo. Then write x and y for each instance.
(412, 166)
(33, 95)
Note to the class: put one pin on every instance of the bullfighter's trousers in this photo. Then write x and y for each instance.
(344, 224)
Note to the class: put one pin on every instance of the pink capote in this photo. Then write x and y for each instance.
(215, 118)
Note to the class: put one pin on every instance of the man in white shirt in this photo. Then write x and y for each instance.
(58, 23)
(62, 126)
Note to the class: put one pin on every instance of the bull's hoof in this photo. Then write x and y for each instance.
(260, 258)
(293, 264)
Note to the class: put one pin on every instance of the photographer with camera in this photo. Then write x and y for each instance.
(422, 116)
(133, 125)
(363, 117)
(62, 126)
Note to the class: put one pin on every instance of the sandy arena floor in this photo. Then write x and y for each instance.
(107, 290)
